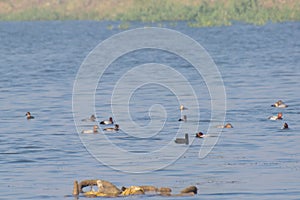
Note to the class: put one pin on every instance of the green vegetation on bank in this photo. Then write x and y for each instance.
(195, 12)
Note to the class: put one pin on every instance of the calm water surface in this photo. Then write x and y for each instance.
(41, 158)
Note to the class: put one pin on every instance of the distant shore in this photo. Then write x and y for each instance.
(197, 13)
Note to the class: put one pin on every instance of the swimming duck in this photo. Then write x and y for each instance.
(184, 118)
(285, 126)
(277, 117)
(116, 128)
(92, 118)
(182, 107)
(184, 140)
(199, 135)
(29, 116)
(95, 130)
(110, 121)
(279, 104)
(228, 125)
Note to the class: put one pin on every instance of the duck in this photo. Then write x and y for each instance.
(279, 104)
(95, 130)
(29, 116)
(183, 119)
(276, 117)
(228, 125)
(109, 121)
(92, 118)
(116, 128)
(182, 107)
(184, 140)
(199, 135)
(285, 126)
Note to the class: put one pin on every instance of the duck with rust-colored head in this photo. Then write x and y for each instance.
(29, 116)
(228, 125)
(279, 104)
(200, 135)
(276, 117)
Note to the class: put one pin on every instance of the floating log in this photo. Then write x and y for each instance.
(86, 183)
(165, 190)
(190, 189)
(132, 190)
(184, 194)
(75, 189)
(149, 188)
(106, 187)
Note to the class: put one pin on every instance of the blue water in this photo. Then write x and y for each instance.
(41, 158)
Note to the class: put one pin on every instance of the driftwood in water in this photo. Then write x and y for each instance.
(86, 183)
(108, 188)
(111, 190)
(132, 190)
(103, 186)
(75, 188)
(190, 189)
(165, 190)
(149, 188)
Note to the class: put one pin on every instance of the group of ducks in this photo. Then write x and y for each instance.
(116, 127)
(104, 122)
(279, 104)
(92, 118)
(185, 140)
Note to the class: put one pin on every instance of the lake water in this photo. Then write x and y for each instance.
(41, 158)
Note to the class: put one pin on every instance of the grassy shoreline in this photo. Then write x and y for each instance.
(197, 13)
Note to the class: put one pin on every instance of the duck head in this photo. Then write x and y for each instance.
(28, 115)
(93, 118)
(182, 107)
(199, 135)
(285, 126)
(279, 102)
(228, 125)
(95, 128)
